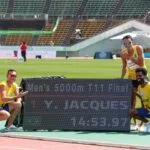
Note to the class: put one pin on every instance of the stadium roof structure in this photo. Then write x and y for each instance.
(134, 34)
(135, 27)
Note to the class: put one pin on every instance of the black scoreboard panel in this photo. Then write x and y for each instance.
(77, 104)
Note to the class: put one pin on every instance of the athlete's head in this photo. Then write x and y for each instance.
(11, 75)
(141, 75)
(127, 41)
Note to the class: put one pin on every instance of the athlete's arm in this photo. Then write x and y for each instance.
(17, 93)
(6, 98)
(141, 99)
(140, 60)
(124, 65)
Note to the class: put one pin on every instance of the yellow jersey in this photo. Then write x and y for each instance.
(145, 94)
(131, 66)
(10, 91)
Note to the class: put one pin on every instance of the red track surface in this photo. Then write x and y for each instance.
(7, 143)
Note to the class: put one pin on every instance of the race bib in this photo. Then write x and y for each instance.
(131, 65)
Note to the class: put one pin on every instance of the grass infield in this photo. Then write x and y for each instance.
(70, 68)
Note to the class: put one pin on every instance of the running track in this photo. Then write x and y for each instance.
(7, 143)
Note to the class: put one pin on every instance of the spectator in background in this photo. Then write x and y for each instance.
(78, 34)
(144, 92)
(23, 48)
(10, 100)
(51, 43)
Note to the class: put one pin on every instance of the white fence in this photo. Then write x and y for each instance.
(32, 51)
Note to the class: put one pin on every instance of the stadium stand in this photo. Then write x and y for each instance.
(28, 7)
(110, 23)
(10, 6)
(91, 16)
(4, 6)
(100, 7)
(45, 39)
(90, 27)
(17, 39)
(26, 25)
(133, 8)
(64, 7)
(59, 36)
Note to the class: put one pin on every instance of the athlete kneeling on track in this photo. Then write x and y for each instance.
(10, 100)
(143, 91)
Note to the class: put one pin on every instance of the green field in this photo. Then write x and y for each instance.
(77, 68)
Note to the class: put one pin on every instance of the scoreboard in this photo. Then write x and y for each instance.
(77, 104)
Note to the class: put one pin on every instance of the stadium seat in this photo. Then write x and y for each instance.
(59, 36)
(28, 7)
(131, 8)
(64, 7)
(3, 6)
(100, 7)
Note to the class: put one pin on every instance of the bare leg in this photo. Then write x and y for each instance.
(4, 115)
(137, 118)
(144, 120)
(14, 108)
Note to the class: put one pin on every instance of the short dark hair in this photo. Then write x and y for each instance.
(11, 70)
(127, 37)
(143, 70)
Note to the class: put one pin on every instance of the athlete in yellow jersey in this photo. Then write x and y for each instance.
(10, 90)
(10, 99)
(132, 58)
(144, 91)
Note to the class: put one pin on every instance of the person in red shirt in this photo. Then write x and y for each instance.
(23, 48)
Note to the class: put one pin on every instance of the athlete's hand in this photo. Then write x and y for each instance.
(21, 94)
